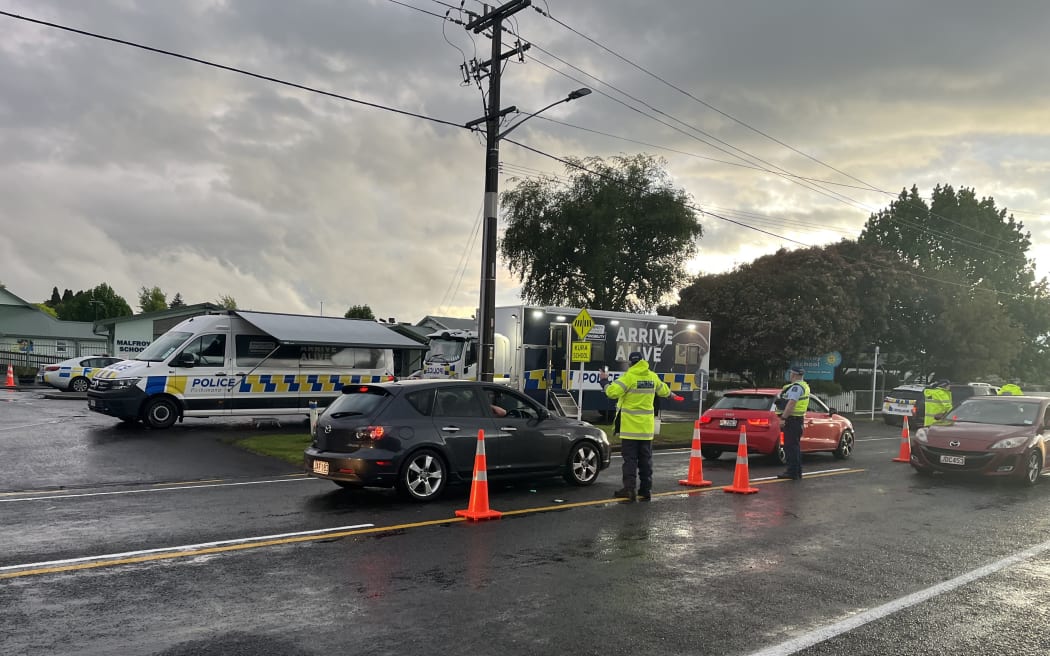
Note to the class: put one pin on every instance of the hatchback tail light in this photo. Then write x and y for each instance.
(758, 422)
(52, 368)
(370, 433)
(704, 419)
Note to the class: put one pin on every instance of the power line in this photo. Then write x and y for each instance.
(233, 69)
(706, 212)
(749, 126)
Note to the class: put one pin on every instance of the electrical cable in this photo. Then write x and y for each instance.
(232, 69)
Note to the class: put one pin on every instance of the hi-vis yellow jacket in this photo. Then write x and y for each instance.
(636, 390)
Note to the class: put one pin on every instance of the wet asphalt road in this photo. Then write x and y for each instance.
(700, 573)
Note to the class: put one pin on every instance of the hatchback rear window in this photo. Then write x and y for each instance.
(357, 400)
(744, 402)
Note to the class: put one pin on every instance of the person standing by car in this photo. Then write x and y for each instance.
(635, 391)
(937, 399)
(792, 418)
(1010, 389)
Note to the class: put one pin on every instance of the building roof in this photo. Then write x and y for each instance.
(434, 323)
(197, 308)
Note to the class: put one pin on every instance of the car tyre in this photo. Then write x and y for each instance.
(423, 476)
(846, 443)
(161, 413)
(79, 384)
(1033, 467)
(710, 452)
(584, 464)
(779, 456)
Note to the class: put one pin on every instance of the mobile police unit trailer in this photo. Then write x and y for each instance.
(533, 352)
(236, 363)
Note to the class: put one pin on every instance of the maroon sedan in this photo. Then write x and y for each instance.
(1002, 436)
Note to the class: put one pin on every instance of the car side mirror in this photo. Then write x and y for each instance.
(833, 411)
(185, 360)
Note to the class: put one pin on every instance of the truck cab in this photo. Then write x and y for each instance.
(451, 354)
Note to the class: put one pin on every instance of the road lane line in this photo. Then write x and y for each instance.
(44, 423)
(92, 562)
(154, 489)
(186, 547)
(817, 636)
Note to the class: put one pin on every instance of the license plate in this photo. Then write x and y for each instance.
(953, 460)
(727, 423)
(321, 467)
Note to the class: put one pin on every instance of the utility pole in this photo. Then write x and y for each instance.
(492, 19)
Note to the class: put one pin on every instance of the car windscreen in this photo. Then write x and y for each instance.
(357, 400)
(165, 345)
(1012, 413)
(744, 402)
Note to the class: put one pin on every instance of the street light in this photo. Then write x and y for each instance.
(487, 304)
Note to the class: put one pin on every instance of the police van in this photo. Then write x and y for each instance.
(237, 363)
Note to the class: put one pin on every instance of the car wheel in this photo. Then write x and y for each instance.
(845, 449)
(423, 476)
(584, 460)
(161, 413)
(779, 456)
(1033, 466)
(79, 384)
(710, 452)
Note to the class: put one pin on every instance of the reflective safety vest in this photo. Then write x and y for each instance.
(803, 401)
(938, 401)
(635, 392)
(1010, 389)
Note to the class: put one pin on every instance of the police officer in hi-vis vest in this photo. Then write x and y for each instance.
(635, 391)
(795, 397)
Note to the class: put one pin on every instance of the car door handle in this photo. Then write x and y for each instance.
(508, 428)
(450, 429)
(220, 373)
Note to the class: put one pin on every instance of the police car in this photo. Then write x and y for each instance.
(75, 375)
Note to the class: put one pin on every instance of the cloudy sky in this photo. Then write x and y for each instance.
(134, 168)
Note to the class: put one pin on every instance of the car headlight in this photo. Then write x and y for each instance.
(1010, 442)
(123, 383)
(921, 435)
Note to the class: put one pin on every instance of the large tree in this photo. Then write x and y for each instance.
(359, 312)
(615, 236)
(152, 299)
(970, 253)
(226, 302)
(102, 302)
(177, 302)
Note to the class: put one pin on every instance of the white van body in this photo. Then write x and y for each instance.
(245, 364)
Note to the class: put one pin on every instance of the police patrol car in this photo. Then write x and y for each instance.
(75, 374)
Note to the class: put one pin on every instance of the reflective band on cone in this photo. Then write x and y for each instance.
(478, 508)
(741, 482)
(905, 454)
(695, 478)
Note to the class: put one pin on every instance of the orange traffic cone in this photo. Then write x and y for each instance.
(696, 462)
(478, 508)
(741, 483)
(10, 376)
(905, 454)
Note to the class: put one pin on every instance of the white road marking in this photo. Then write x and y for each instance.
(153, 489)
(817, 636)
(43, 423)
(185, 547)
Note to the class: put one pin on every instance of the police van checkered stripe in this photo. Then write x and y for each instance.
(266, 383)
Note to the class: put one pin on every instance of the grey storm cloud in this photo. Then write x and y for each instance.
(158, 171)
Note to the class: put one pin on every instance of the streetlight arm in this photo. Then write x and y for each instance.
(579, 93)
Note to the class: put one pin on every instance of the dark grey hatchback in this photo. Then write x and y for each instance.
(420, 435)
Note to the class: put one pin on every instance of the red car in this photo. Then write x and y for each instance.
(1003, 436)
(755, 409)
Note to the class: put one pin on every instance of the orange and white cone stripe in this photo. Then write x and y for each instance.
(905, 452)
(695, 478)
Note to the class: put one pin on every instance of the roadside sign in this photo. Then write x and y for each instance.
(581, 351)
(582, 324)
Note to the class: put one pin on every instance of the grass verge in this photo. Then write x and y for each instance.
(286, 447)
(290, 447)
